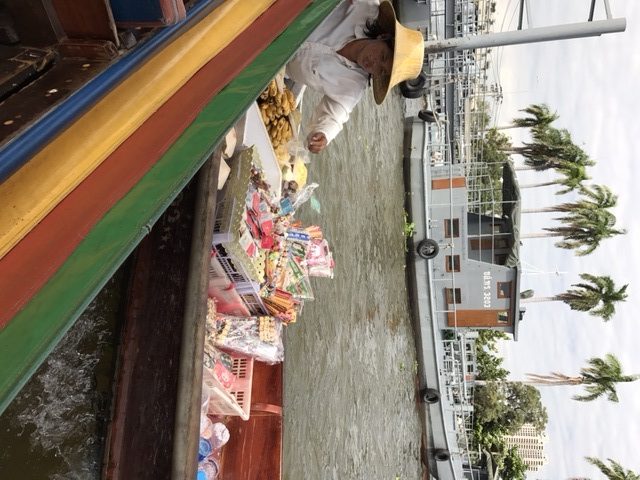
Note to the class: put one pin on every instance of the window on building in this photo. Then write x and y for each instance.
(500, 258)
(503, 317)
(452, 263)
(453, 295)
(504, 289)
(502, 243)
(452, 228)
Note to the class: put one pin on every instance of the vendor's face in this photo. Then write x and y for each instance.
(376, 57)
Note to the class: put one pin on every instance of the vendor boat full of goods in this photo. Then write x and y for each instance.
(105, 111)
(259, 263)
(89, 178)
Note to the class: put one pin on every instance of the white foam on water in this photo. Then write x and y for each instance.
(61, 408)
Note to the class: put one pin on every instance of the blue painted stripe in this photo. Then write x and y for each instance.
(17, 151)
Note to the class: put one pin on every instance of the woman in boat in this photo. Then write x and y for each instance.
(359, 43)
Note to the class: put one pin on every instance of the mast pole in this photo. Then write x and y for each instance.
(530, 35)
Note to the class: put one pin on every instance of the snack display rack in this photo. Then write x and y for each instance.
(250, 295)
(236, 401)
(229, 212)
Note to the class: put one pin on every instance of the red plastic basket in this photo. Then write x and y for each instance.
(236, 401)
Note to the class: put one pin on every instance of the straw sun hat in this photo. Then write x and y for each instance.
(408, 52)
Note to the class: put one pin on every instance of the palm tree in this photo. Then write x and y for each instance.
(599, 377)
(613, 472)
(573, 174)
(540, 116)
(596, 295)
(595, 197)
(583, 230)
(549, 149)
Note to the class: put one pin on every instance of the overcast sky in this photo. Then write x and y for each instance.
(592, 84)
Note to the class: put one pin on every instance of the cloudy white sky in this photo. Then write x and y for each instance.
(592, 84)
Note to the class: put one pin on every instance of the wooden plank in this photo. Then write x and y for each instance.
(20, 65)
(254, 450)
(141, 439)
(88, 49)
(186, 442)
(86, 19)
(66, 76)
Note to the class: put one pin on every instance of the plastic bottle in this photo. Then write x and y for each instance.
(220, 435)
(207, 470)
(206, 427)
(204, 449)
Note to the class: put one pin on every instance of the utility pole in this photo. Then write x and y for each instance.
(530, 35)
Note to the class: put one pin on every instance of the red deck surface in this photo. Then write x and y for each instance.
(254, 451)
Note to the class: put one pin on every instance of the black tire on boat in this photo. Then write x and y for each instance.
(441, 455)
(414, 88)
(430, 395)
(428, 248)
(427, 116)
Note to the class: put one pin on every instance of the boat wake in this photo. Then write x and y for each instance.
(65, 406)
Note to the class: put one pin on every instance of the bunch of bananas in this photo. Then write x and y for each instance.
(267, 329)
(275, 105)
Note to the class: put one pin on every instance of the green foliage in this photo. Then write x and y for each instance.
(501, 408)
(539, 117)
(588, 221)
(614, 471)
(596, 295)
(488, 337)
(409, 228)
(551, 148)
(600, 378)
(513, 467)
(490, 364)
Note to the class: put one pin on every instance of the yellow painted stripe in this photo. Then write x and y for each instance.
(34, 190)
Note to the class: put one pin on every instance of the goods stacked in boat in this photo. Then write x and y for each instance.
(261, 262)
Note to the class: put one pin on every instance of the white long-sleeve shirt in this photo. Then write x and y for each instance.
(318, 65)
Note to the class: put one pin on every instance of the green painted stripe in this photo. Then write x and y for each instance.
(35, 330)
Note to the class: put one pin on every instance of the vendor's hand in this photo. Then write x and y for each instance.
(316, 142)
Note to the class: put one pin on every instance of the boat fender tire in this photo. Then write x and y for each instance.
(441, 455)
(430, 395)
(428, 248)
(414, 88)
(427, 116)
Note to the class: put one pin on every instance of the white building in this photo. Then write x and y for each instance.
(530, 445)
